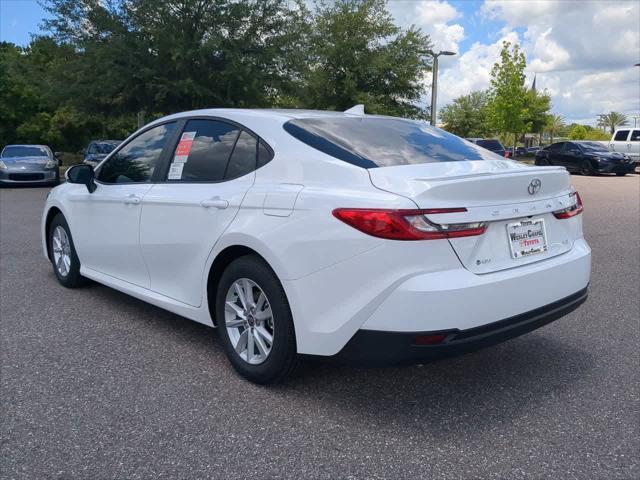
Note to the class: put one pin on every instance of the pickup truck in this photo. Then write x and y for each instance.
(627, 141)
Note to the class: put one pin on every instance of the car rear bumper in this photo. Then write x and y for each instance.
(380, 348)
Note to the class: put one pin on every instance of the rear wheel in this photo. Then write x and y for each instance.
(63, 255)
(255, 322)
(586, 168)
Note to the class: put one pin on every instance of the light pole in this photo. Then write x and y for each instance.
(434, 81)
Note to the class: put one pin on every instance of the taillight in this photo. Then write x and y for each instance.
(573, 210)
(407, 224)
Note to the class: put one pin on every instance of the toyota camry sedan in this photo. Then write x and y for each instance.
(365, 239)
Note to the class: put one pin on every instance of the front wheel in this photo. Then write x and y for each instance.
(255, 322)
(62, 254)
(542, 162)
(586, 168)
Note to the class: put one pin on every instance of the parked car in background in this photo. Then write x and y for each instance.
(28, 164)
(586, 158)
(98, 150)
(532, 150)
(325, 234)
(627, 141)
(493, 145)
(521, 151)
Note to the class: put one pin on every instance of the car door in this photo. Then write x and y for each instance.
(633, 146)
(211, 170)
(106, 223)
(555, 153)
(571, 156)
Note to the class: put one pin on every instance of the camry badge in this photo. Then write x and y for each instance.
(534, 186)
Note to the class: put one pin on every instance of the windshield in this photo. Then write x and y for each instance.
(371, 142)
(593, 147)
(492, 145)
(24, 151)
(104, 148)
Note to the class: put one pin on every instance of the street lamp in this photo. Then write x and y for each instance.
(434, 82)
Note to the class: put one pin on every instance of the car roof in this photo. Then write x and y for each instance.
(282, 114)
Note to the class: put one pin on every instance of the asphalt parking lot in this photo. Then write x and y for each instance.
(95, 384)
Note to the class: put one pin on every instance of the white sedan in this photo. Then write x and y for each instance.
(368, 239)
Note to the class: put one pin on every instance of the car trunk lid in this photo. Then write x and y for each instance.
(503, 194)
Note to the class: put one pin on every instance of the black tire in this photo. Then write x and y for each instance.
(621, 174)
(586, 168)
(543, 162)
(283, 358)
(72, 279)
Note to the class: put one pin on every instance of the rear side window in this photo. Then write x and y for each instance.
(383, 142)
(635, 136)
(556, 147)
(621, 135)
(203, 151)
(243, 159)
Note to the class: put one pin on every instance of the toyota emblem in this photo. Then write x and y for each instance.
(534, 186)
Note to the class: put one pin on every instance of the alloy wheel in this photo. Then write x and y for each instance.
(249, 321)
(61, 251)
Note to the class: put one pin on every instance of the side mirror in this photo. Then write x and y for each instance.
(82, 174)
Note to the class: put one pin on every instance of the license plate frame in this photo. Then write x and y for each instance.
(530, 237)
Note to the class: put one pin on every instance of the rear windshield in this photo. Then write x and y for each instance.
(383, 142)
(492, 145)
(24, 151)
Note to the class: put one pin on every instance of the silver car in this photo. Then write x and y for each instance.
(29, 165)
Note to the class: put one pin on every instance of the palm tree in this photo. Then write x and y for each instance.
(554, 123)
(613, 120)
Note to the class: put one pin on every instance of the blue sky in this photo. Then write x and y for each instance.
(18, 19)
(582, 52)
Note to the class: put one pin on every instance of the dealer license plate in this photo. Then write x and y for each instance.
(527, 237)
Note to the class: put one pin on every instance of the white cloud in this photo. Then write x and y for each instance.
(472, 71)
(434, 17)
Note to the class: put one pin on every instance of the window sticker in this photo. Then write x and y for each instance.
(184, 147)
(175, 171)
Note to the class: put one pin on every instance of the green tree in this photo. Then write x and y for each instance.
(358, 55)
(466, 116)
(537, 105)
(553, 125)
(578, 132)
(507, 107)
(613, 120)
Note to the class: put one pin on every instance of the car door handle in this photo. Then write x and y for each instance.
(132, 199)
(215, 202)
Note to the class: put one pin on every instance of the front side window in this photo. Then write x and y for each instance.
(137, 160)
(556, 147)
(571, 147)
(635, 136)
(621, 135)
(371, 142)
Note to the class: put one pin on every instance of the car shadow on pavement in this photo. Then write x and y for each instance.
(505, 382)
(470, 392)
